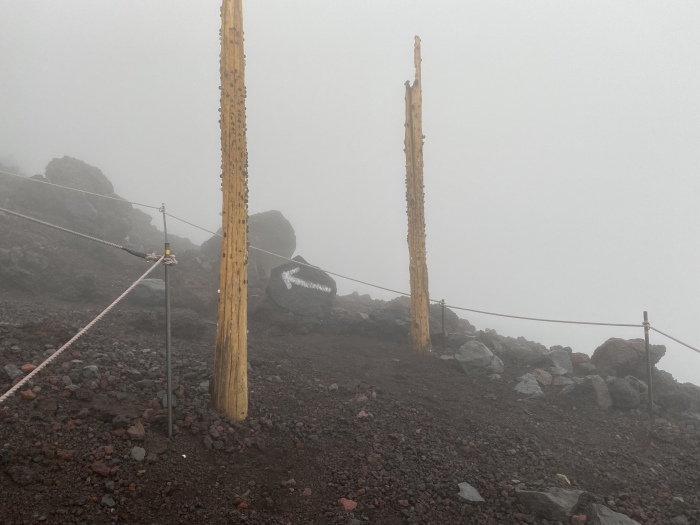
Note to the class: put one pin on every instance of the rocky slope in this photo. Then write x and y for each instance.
(345, 426)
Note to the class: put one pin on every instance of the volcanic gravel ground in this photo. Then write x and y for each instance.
(330, 417)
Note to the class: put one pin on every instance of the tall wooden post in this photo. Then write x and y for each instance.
(230, 389)
(420, 300)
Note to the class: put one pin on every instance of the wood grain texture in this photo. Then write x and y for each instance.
(231, 355)
(419, 336)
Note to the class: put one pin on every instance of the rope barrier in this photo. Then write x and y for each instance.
(592, 323)
(674, 339)
(148, 257)
(171, 260)
(58, 352)
(77, 190)
(631, 325)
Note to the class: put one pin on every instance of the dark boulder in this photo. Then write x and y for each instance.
(625, 392)
(77, 174)
(621, 357)
(301, 289)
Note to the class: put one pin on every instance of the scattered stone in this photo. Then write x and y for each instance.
(589, 389)
(559, 361)
(99, 467)
(13, 372)
(306, 492)
(27, 368)
(562, 479)
(528, 385)
(107, 501)
(138, 453)
(474, 356)
(601, 515)
(542, 376)
(555, 505)
(120, 422)
(469, 494)
(562, 381)
(28, 395)
(347, 504)
(136, 431)
(624, 392)
(65, 455)
(91, 372)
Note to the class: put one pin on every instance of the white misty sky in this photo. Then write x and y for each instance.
(561, 157)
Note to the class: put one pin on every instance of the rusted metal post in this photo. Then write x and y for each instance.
(650, 390)
(230, 391)
(168, 339)
(444, 332)
(419, 336)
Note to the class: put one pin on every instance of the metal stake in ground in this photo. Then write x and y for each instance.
(650, 391)
(444, 333)
(168, 353)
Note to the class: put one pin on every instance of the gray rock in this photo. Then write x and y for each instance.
(622, 357)
(138, 453)
(524, 355)
(108, 502)
(13, 372)
(203, 387)
(474, 356)
(149, 292)
(589, 389)
(528, 385)
(559, 361)
(555, 505)
(543, 377)
(625, 392)
(469, 494)
(679, 520)
(602, 515)
(562, 381)
(91, 372)
(77, 174)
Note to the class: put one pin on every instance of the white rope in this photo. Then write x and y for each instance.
(61, 228)
(58, 352)
(674, 339)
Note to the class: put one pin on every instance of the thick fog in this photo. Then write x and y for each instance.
(562, 150)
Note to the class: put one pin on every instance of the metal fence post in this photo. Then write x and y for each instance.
(650, 392)
(168, 352)
(444, 333)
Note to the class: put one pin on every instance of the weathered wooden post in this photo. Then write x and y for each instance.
(419, 336)
(230, 390)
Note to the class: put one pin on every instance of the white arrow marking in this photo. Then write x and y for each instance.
(289, 280)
